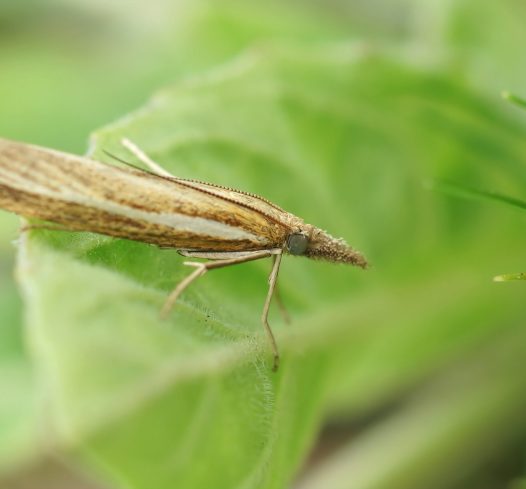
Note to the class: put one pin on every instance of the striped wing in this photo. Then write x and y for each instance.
(86, 195)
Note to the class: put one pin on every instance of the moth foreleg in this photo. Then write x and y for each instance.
(222, 255)
(281, 305)
(264, 316)
(202, 268)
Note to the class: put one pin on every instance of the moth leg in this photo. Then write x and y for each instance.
(44, 227)
(144, 158)
(264, 316)
(203, 267)
(200, 270)
(279, 300)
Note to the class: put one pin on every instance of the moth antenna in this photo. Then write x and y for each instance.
(120, 160)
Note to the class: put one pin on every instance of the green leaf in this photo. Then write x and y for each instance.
(467, 416)
(456, 32)
(509, 277)
(514, 99)
(148, 404)
(19, 404)
(151, 396)
(471, 193)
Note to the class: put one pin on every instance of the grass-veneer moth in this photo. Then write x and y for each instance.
(200, 220)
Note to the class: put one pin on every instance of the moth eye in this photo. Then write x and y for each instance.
(297, 243)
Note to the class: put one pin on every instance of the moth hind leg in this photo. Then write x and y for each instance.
(145, 159)
(181, 286)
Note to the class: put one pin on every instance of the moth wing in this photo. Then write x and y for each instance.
(84, 194)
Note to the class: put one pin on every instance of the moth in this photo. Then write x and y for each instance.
(200, 220)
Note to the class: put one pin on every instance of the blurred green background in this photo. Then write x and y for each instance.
(410, 375)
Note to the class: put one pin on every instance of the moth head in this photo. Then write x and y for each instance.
(317, 244)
